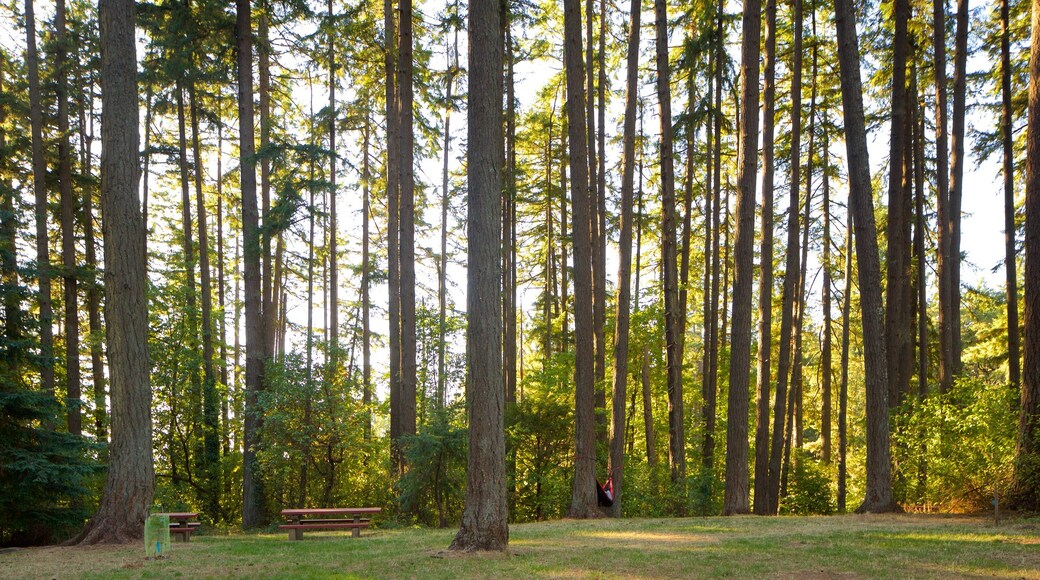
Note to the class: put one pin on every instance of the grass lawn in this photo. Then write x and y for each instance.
(805, 548)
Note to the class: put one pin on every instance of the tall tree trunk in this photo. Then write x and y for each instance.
(366, 281)
(39, 170)
(827, 370)
(597, 191)
(194, 393)
(407, 248)
(765, 280)
(94, 286)
(798, 366)
(309, 348)
(843, 388)
(583, 496)
(9, 282)
(624, 297)
(509, 306)
(442, 261)
(942, 199)
(1007, 143)
(957, 163)
(1027, 450)
(333, 227)
(225, 394)
(710, 393)
(879, 468)
(648, 411)
(268, 298)
(145, 159)
(791, 278)
(393, 229)
(252, 483)
(564, 236)
(736, 499)
(70, 277)
(596, 234)
(897, 327)
(673, 342)
(210, 420)
(130, 480)
(921, 268)
(485, 517)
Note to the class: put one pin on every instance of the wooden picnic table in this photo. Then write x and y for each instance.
(318, 519)
(183, 523)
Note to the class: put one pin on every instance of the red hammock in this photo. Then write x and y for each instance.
(605, 492)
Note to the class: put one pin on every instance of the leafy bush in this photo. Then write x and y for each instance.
(955, 449)
(434, 487)
(808, 489)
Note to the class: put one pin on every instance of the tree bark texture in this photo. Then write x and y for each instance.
(583, 496)
(252, 487)
(765, 280)
(673, 342)
(485, 516)
(130, 480)
(624, 292)
(879, 468)
(736, 500)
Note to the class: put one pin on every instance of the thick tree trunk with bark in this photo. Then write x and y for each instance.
(393, 229)
(485, 517)
(624, 293)
(252, 488)
(583, 496)
(39, 170)
(785, 362)
(130, 481)
(897, 304)
(879, 467)
(673, 342)
(736, 499)
(70, 277)
(957, 162)
(765, 280)
(1007, 144)
(406, 176)
(1027, 451)
(942, 198)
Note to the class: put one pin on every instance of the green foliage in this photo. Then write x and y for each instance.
(958, 448)
(704, 492)
(45, 474)
(809, 487)
(314, 452)
(540, 432)
(434, 487)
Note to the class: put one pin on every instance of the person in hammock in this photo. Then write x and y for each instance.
(605, 492)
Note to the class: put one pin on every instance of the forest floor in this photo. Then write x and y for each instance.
(848, 546)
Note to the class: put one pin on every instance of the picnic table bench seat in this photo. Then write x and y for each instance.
(314, 519)
(182, 524)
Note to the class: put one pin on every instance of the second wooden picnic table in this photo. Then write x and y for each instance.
(182, 523)
(319, 518)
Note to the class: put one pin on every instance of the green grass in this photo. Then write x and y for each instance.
(903, 546)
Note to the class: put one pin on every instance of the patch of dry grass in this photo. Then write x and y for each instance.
(804, 548)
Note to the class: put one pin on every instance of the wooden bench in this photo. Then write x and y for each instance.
(182, 524)
(299, 520)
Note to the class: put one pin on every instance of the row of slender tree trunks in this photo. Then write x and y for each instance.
(888, 337)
